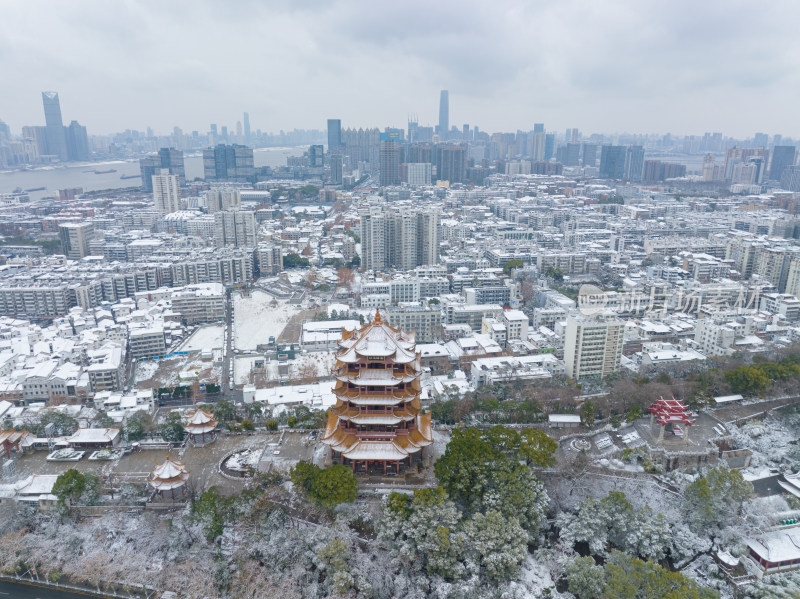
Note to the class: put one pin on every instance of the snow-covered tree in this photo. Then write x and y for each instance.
(585, 579)
(650, 537)
(588, 525)
(516, 493)
(496, 543)
(717, 497)
(613, 521)
(685, 544)
(426, 532)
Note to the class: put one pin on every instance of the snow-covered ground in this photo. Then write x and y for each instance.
(305, 366)
(176, 370)
(145, 370)
(204, 338)
(242, 365)
(259, 317)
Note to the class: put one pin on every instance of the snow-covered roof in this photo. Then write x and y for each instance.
(94, 435)
(36, 485)
(777, 547)
(564, 418)
(378, 340)
(728, 398)
(169, 475)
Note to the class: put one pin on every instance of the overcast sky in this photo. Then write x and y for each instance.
(641, 66)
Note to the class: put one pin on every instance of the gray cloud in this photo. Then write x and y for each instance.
(681, 66)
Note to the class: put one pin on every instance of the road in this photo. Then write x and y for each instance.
(27, 590)
(735, 412)
(226, 379)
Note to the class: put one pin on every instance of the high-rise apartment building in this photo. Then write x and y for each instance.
(167, 158)
(592, 346)
(538, 144)
(417, 173)
(228, 163)
(612, 162)
(390, 158)
(75, 238)
(737, 155)
(549, 145)
(634, 163)
(572, 152)
(444, 114)
(166, 193)
(316, 156)
(398, 238)
(56, 136)
(334, 135)
(419, 153)
(235, 228)
(223, 198)
(790, 178)
(269, 259)
(782, 156)
(589, 154)
(39, 136)
(335, 162)
(427, 237)
(451, 163)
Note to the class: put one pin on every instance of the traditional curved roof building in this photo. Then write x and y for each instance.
(169, 477)
(201, 426)
(377, 425)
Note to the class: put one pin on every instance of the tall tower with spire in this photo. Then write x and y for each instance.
(444, 114)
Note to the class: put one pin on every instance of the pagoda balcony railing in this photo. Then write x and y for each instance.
(381, 410)
(396, 395)
(351, 430)
(373, 434)
(342, 371)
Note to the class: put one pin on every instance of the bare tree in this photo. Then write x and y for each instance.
(345, 277)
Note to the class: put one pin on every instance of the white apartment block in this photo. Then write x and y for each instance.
(425, 322)
(235, 228)
(516, 323)
(166, 192)
(147, 342)
(200, 303)
(486, 371)
(270, 259)
(593, 346)
(105, 370)
(220, 199)
(783, 304)
(495, 330)
(75, 238)
(715, 338)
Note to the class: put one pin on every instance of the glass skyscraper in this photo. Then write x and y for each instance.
(56, 136)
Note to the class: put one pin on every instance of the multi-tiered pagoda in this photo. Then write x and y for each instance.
(376, 426)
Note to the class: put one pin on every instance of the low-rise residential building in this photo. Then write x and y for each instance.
(147, 342)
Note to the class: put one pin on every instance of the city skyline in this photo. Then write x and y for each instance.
(651, 70)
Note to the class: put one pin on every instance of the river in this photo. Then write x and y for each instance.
(81, 174)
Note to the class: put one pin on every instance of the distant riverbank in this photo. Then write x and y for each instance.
(83, 174)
